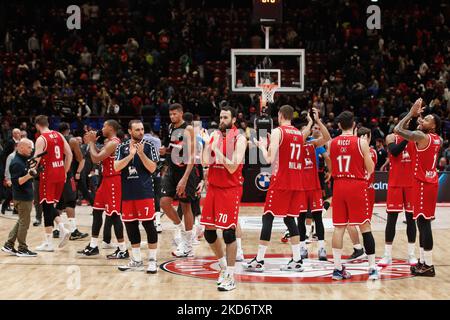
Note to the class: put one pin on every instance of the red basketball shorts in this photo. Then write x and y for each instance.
(49, 191)
(142, 210)
(283, 203)
(424, 199)
(311, 200)
(221, 207)
(109, 195)
(350, 202)
(399, 199)
(371, 197)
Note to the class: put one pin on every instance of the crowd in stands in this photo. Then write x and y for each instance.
(133, 58)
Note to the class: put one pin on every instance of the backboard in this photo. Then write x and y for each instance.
(252, 67)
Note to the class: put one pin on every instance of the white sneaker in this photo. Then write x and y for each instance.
(152, 266)
(240, 256)
(183, 251)
(386, 261)
(303, 253)
(64, 236)
(158, 224)
(132, 266)
(412, 260)
(292, 265)
(45, 247)
(253, 265)
(106, 245)
(222, 275)
(227, 284)
(177, 239)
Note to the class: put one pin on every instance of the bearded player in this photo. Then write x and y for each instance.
(224, 154)
(56, 164)
(425, 185)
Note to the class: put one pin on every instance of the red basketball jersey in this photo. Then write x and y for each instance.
(218, 175)
(401, 170)
(310, 174)
(347, 159)
(425, 160)
(287, 168)
(53, 161)
(374, 156)
(108, 163)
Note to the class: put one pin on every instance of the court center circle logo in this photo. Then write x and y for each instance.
(262, 181)
(315, 271)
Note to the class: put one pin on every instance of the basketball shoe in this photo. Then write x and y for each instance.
(253, 265)
(118, 255)
(292, 265)
(89, 251)
(341, 274)
(152, 266)
(132, 266)
(227, 284)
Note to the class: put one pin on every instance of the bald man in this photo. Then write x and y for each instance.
(22, 191)
(9, 148)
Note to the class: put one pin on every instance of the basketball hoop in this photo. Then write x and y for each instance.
(267, 93)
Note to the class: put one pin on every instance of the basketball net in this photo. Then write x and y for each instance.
(267, 93)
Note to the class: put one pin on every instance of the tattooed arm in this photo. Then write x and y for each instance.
(401, 129)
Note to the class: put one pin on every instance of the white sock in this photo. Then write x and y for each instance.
(188, 236)
(428, 255)
(303, 244)
(94, 242)
(261, 252)
(411, 249)
(122, 246)
(422, 256)
(223, 263)
(179, 226)
(137, 254)
(357, 246)
(230, 271)
(158, 217)
(321, 244)
(308, 229)
(239, 244)
(48, 238)
(388, 250)
(337, 253)
(61, 226)
(152, 254)
(371, 258)
(72, 224)
(295, 252)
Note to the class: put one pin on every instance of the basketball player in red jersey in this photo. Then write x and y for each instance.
(109, 195)
(366, 133)
(283, 198)
(224, 154)
(312, 191)
(351, 166)
(400, 193)
(427, 144)
(56, 163)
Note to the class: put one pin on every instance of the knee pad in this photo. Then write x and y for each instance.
(150, 229)
(292, 226)
(229, 236)
(369, 242)
(210, 236)
(266, 230)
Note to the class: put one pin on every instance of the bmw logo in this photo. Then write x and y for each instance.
(262, 181)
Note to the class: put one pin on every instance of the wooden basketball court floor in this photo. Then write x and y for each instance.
(63, 275)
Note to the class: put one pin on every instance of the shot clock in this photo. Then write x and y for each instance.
(267, 11)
